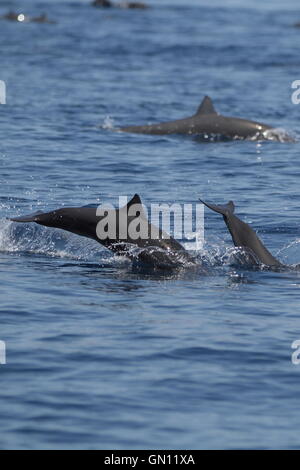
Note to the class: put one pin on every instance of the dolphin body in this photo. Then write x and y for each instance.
(207, 121)
(243, 236)
(153, 247)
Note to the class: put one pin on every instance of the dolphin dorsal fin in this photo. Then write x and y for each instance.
(206, 107)
(135, 200)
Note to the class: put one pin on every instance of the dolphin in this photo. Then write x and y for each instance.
(102, 3)
(43, 18)
(13, 16)
(207, 121)
(21, 18)
(127, 5)
(130, 232)
(243, 236)
(133, 5)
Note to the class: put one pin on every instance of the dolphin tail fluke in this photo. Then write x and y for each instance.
(225, 210)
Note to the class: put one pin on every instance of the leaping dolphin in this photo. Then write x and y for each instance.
(207, 121)
(155, 247)
(243, 236)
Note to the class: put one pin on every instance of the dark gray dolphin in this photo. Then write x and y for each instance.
(13, 16)
(207, 121)
(126, 5)
(102, 3)
(243, 236)
(21, 18)
(155, 246)
(133, 5)
(43, 18)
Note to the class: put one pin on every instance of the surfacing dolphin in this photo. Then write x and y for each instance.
(244, 237)
(130, 232)
(21, 18)
(208, 122)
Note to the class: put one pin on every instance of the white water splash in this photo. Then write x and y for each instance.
(290, 254)
(26, 238)
(278, 135)
(108, 123)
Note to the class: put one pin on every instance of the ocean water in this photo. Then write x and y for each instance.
(100, 354)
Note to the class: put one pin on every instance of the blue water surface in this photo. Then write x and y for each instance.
(101, 355)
